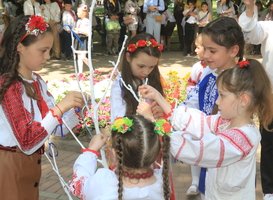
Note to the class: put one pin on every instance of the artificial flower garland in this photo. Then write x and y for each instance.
(36, 25)
(144, 43)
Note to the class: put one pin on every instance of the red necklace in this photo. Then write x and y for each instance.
(144, 175)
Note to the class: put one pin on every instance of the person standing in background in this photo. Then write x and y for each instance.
(153, 18)
(178, 15)
(32, 7)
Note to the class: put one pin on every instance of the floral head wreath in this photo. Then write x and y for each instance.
(243, 64)
(144, 43)
(36, 25)
(162, 127)
(122, 125)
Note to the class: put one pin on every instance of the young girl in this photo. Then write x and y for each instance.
(132, 9)
(137, 145)
(140, 63)
(197, 68)
(225, 8)
(225, 143)
(27, 111)
(82, 28)
(204, 16)
(195, 77)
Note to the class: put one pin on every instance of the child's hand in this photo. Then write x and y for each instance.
(97, 142)
(148, 92)
(71, 100)
(157, 110)
(145, 110)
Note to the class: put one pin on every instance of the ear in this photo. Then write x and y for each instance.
(234, 51)
(245, 99)
(20, 47)
(128, 57)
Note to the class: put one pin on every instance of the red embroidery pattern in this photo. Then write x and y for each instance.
(188, 123)
(222, 154)
(27, 132)
(201, 153)
(180, 148)
(202, 125)
(76, 185)
(238, 139)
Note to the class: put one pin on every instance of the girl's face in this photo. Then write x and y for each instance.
(142, 65)
(204, 8)
(199, 49)
(216, 56)
(68, 7)
(228, 103)
(34, 56)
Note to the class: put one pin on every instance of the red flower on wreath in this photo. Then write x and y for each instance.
(141, 43)
(160, 47)
(243, 64)
(154, 42)
(131, 48)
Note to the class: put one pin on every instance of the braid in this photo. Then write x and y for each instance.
(166, 166)
(119, 153)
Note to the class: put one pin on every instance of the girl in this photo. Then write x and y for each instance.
(140, 63)
(225, 143)
(132, 9)
(28, 114)
(82, 28)
(204, 16)
(269, 15)
(137, 145)
(225, 8)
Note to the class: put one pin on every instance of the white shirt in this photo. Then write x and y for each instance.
(28, 8)
(90, 183)
(118, 105)
(229, 154)
(7, 138)
(259, 32)
(51, 12)
(68, 20)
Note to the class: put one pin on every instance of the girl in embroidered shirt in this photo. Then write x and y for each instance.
(136, 145)
(140, 63)
(225, 143)
(27, 111)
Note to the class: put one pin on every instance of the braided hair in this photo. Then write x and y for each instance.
(9, 56)
(139, 148)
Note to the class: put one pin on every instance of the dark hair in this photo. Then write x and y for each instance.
(127, 75)
(9, 57)
(254, 80)
(139, 148)
(204, 3)
(226, 32)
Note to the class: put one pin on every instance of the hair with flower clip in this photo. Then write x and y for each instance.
(122, 125)
(36, 25)
(253, 82)
(144, 43)
(139, 149)
(162, 127)
(243, 64)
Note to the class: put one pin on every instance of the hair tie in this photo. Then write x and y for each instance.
(122, 125)
(162, 127)
(243, 64)
(36, 25)
(144, 43)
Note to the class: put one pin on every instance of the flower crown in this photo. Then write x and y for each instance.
(144, 43)
(36, 25)
(124, 124)
(243, 64)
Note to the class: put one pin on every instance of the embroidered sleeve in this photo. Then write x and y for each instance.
(212, 150)
(28, 133)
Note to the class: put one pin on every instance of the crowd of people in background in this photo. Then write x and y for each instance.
(130, 17)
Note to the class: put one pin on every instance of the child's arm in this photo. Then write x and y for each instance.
(85, 167)
(212, 150)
